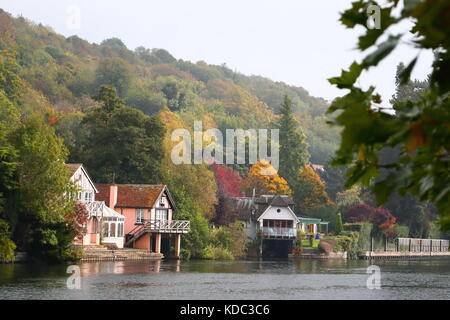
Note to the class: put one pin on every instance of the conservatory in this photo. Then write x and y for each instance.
(112, 227)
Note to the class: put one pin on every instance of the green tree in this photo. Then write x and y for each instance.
(293, 148)
(419, 128)
(348, 198)
(122, 144)
(339, 225)
(42, 196)
(193, 243)
(114, 72)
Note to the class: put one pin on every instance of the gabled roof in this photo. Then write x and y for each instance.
(134, 195)
(254, 207)
(73, 167)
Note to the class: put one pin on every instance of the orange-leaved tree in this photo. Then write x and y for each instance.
(311, 193)
(265, 180)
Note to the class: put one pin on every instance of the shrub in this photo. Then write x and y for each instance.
(343, 243)
(217, 253)
(300, 238)
(7, 246)
(356, 226)
(401, 231)
(221, 237)
(238, 244)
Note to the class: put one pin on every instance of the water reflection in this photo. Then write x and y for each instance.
(129, 267)
(257, 279)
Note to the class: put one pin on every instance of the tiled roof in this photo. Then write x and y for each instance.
(259, 205)
(131, 195)
(73, 167)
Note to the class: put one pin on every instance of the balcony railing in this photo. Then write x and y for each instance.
(279, 232)
(167, 226)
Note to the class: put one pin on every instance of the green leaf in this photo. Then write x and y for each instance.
(383, 50)
(369, 39)
(354, 16)
(382, 190)
(347, 78)
(372, 35)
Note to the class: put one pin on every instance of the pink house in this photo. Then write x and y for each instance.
(99, 213)
(148, 211)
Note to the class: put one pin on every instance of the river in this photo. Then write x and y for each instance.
(197, 279)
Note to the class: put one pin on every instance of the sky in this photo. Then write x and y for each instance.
(298, 42)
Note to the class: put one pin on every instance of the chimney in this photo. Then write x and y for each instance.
(112, 196)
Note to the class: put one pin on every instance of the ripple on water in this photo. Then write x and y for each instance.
(306, 279)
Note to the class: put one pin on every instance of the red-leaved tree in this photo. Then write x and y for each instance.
(228, 186)
(381, 218)
(78, 219)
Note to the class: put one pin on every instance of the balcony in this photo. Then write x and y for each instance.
(279, 233)
(167, 226)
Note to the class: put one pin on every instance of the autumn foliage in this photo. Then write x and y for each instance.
(78, 219)
(265, 180)
(311, 193)
(382, 218)
(229, 184)
(228, 180)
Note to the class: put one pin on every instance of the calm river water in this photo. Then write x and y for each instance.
(289, 279)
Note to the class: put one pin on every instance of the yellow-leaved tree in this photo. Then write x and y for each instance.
(311, 193)
(265, 180)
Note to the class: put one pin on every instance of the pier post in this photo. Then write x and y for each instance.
(177, 244)
(371, 246)
(409, 245)
(158, 243)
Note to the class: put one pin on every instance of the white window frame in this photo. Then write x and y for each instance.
(139, 216)
(159, 217)
(88, 196)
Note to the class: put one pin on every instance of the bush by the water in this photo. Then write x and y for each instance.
(217, 253)
(7, 246)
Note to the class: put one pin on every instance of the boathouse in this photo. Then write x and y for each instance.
(271, 220)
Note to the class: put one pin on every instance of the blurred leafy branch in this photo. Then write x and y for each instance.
(420, 129)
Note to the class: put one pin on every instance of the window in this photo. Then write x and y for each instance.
(163, 201)
(80, 196)
(120, 229)
(139, 216)
(162, 214)
(105, 230)
(88, 196)
(112, 230)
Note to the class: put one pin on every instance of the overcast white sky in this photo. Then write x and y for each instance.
(295, 41)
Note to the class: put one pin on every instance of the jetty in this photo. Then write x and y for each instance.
(100, 253)
(409, 248)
